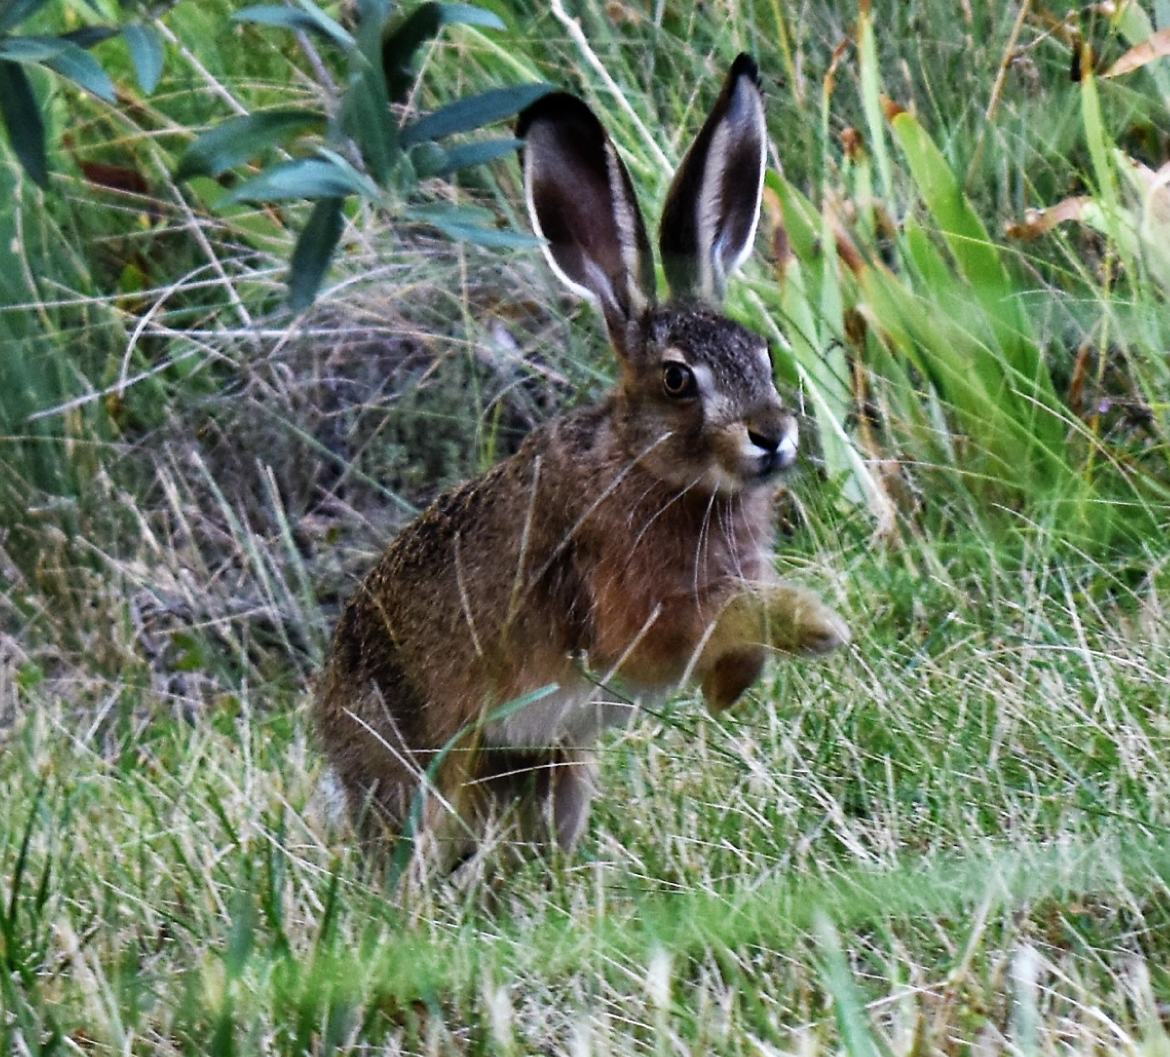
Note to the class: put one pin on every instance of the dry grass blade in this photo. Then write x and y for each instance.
(1154, 47)
(1039, 222)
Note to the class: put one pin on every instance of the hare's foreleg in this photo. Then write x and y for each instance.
(769, 616)
(729, 674)
(547, 792)
(555, 796)
(572, 787)
(780, 616)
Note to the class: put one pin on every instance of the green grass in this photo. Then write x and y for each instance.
(978, 790)
(950, 839)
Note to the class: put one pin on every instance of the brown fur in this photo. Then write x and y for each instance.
(572, 554)
(625, 548)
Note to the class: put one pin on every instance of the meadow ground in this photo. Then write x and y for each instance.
(950, 838)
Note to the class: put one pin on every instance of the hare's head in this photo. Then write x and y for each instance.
(696, 402)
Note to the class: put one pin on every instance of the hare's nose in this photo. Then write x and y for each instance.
(768, 442)
(775, 440)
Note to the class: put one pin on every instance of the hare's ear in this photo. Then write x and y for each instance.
(581, 202)
(713, 205)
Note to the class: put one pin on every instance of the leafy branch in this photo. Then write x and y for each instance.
(67, 55)
(360, 150)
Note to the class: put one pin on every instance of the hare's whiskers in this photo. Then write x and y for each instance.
(701, 545)
(727, 531)
(636, 505)
(590, 510)
(661, 510)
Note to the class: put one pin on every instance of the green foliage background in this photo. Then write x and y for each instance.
(950, 840)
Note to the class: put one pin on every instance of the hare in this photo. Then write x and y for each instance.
(622, 551)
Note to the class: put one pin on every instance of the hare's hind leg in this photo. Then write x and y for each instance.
(367, 758)
(542, 797)
(391, 788)
(572, 787)
(441, 812)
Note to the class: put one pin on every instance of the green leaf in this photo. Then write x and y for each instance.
(313, 252)
(146, 52)
(492, 238)
(64, 57)
(468, 223)
(470, 15)
(240, 138)
(443, 213)
(309, 17)
(22, 118)
(366, 112)
(362, 182)
(82, 69)
(1028, 383)
(848, 1007)
(801, 218)
(366, 118)
(965, 234)
(13, 12)
(301, 178)
(31, 49)
(432, 160)
(870, 85)
(404, 37)
(473, 112)
(89, 36)
(374, 12)
(326, 25)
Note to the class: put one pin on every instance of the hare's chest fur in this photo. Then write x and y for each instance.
(650, 588)
(656, 588)
(574, 715)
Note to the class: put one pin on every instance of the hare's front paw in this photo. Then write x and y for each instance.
(799, 622)
(820, 629)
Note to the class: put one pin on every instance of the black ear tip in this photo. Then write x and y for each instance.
(744, 66)
(562, 108)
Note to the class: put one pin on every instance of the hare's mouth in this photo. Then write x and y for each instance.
(761, 458)
(760, 471)
(772, 465)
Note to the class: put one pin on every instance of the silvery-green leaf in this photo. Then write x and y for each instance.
(146, 52)
(240, 138)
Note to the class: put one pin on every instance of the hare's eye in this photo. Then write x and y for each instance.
(678, 381)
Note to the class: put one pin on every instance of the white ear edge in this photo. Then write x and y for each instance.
(627, 229)
(710, 210)
(745, 107)
(545, 246)
(756, 116)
